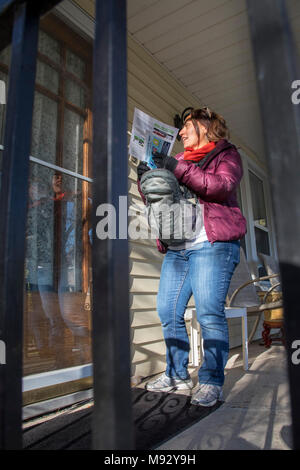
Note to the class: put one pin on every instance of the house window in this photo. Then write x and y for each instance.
(57, 266)
(260, 220)
(239, 198)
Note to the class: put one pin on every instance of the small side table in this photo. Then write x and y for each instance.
(267, 327)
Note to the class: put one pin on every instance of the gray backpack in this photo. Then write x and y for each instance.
(171, 210)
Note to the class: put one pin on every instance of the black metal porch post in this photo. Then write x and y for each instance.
(111, 425)
(13, 208)
(277, 67)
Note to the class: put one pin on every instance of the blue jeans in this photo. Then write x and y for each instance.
(205, 272)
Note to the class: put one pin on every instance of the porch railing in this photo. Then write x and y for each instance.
(274, 51)
(19, 23)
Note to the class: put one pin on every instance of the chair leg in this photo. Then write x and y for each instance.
(201, 348)
(194, 339)
(266, 335)
(245, 341)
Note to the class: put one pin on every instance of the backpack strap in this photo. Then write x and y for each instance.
(187, 193)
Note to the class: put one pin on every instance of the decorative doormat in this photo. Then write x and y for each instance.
(157, 417)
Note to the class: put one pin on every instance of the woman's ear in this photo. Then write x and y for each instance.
(203, 130)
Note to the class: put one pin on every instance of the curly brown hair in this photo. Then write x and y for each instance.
(213, 122)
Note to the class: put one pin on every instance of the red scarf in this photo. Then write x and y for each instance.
(59, 197)
(197, 155)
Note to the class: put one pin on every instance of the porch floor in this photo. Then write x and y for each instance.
(255, 413)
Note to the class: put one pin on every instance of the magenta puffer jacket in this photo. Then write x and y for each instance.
(215, 184)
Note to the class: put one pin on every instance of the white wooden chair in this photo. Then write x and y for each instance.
(243, 293)
(242, 301)
(196, 342)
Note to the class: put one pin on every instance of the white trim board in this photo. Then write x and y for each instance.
(54, 377)
(77, 17)
(48, 406)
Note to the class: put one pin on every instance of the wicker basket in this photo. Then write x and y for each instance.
(274, 314)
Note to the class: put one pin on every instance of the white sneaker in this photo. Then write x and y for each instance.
(166, 384)
(207, 395)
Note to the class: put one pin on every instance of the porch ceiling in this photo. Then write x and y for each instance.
(206, 45)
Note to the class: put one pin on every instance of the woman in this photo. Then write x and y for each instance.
(211, 168)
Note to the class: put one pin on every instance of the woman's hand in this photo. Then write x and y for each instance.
(159, 160)
(163, 161)
(141, 169)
